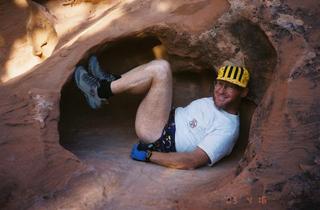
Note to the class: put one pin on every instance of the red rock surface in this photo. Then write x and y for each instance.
(41, 109)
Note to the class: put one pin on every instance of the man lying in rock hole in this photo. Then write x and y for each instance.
(201, 133)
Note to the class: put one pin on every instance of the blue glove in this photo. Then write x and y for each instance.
(140, 155)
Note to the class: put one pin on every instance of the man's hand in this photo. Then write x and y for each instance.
(141, 155)
(181, 160)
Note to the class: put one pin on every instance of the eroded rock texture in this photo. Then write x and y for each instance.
(276, 40)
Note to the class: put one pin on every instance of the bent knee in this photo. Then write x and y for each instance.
(161, 69)
(146, 136)
(161, 63)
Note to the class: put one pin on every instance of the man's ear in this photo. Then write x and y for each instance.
(244, 92)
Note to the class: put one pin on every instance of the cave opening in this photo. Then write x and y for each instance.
(103, 138)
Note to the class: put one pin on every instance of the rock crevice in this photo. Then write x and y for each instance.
(277, 166)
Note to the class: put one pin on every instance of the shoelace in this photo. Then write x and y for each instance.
(91, 81)
(107, 76)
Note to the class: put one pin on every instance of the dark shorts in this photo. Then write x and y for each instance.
(166, 143)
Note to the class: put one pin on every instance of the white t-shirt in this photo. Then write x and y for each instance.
(202, 124)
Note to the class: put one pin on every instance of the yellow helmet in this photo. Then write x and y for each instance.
(235, 75)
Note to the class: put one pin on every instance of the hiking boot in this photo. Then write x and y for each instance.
(89, 86)
(95, 69)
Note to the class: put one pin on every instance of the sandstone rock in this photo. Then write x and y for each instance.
(40, 30)
(280, 50)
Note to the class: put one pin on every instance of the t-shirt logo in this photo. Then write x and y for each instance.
(193, 123)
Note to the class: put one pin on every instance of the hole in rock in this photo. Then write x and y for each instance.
(261, 57)
(103, 138)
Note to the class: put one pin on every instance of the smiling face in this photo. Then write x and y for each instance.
(227, 96)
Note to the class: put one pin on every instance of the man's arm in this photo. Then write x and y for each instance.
(180, 160)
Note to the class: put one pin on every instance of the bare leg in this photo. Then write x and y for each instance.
(154, 78)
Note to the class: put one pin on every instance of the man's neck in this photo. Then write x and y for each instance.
(233, 109)
(234, 112)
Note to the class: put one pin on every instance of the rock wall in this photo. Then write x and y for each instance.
(277, 40)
